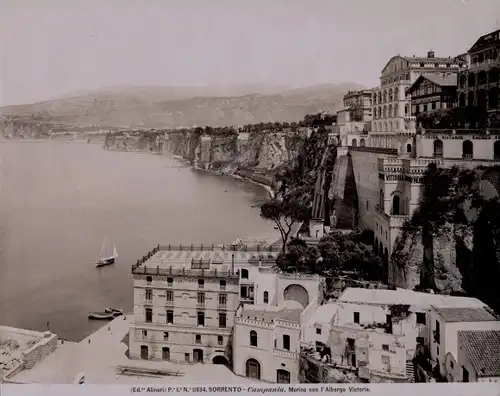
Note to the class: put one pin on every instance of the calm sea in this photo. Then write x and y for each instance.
(58, 203)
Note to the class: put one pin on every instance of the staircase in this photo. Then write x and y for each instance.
(410, 371)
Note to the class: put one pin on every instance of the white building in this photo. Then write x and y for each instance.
(267, 337)
(445, 324)
(478, 356)
(380, 331)
(185, 300)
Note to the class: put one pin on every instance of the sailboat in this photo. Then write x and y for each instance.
(105, 258)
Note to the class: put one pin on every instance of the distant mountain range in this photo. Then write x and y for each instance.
(171, 107)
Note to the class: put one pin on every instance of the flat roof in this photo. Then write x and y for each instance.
(482, 347)
(99, 360)
(403, 296)
(292, 315)
(451, 315)
(324, 314)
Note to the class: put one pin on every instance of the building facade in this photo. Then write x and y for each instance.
(430, 93)
(478, 84)
(359, 105)
(391, 104)
(185, 301)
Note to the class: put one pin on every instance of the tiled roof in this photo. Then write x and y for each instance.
(440, 80)
(450, 315)
(483, 350)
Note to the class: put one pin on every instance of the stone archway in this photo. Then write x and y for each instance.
(252, 369)
(219, 359)
(296, 293)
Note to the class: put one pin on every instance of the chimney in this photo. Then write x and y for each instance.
(430, 54)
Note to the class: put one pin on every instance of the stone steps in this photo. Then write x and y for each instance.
(410, 371)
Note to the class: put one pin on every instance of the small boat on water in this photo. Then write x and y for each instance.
(114, 311)
(105, 257)
(101, 315)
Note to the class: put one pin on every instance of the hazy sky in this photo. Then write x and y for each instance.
(52, 47)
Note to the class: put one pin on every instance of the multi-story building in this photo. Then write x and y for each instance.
(377, 333)
(478, 354)
(267, 337)
(445, 324)
(432, 92)
(478, 84)
(185, 300)
(359, 105)
(391, 104)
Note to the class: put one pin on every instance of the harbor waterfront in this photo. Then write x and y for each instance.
(58, 207)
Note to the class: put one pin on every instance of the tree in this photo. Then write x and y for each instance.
(285, 213)
(300, 258)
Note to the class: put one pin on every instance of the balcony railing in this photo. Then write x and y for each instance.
(169, 302)
(222, 305)
(200, 305)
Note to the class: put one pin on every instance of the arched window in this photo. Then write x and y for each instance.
(391, 98)
(165, 353)
(496, 150)
(470, 99)
(390, 126)
(481, 99)
(253, 338)
(385, 96)
(252, 369)
(385, 112)
(362, 143)
(408, 148)
(407, 108)
(467, 149)
(461, 100)
(396, 210)
(380, 97)
(354, 143)
(244, 273)
(381, 200)
(471, 80)
(438, 148)
(385, 127)
(462, 81)
(198, 338)
(396, 94)
(493, 98)
(481, 78)
(282, 376)
(375, 127)
(374, 100)
(266, 297)
(396, 110)
(390, 111)
(380, 112)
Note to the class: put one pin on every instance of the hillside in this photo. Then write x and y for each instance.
(160, 107)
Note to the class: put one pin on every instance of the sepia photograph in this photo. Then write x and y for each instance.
(250, 196)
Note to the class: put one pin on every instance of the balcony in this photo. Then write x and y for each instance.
(222, 305)
(200, 305)
(247, 300)
(148, 301)
(284, 354)
(169, 303)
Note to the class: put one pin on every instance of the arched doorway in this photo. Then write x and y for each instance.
(282, 376)
(296, 293)
(467, 149)
(354, 143)
(252, 369)
(144, 352)
(197, 355)
(362, 143)
(438, 148)
(219, 359)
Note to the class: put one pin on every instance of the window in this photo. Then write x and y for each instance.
(286, 342)
(165, 335)
(465, 375)
(149, 294)
(433, 105)
(201, 298)
(452, 365)
(385, 347)
(198, 338)
(201, 318)
(170, 282)
(149, 279)
(220, 340)
(420, 340)
(170, 295)
(266, 297)
(386, 362)
(222, 284)
(222, 320)
(186, 357)
(201, 283)
(437, 333)
(318, 330)
(149, 315)
(356, 317)
(170, 317)
(421, 318)
(253, 338)
(144, 333)
(222, 300)
(165, 353)
(244, 273)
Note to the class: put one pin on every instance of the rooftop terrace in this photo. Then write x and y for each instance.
(187, 258)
